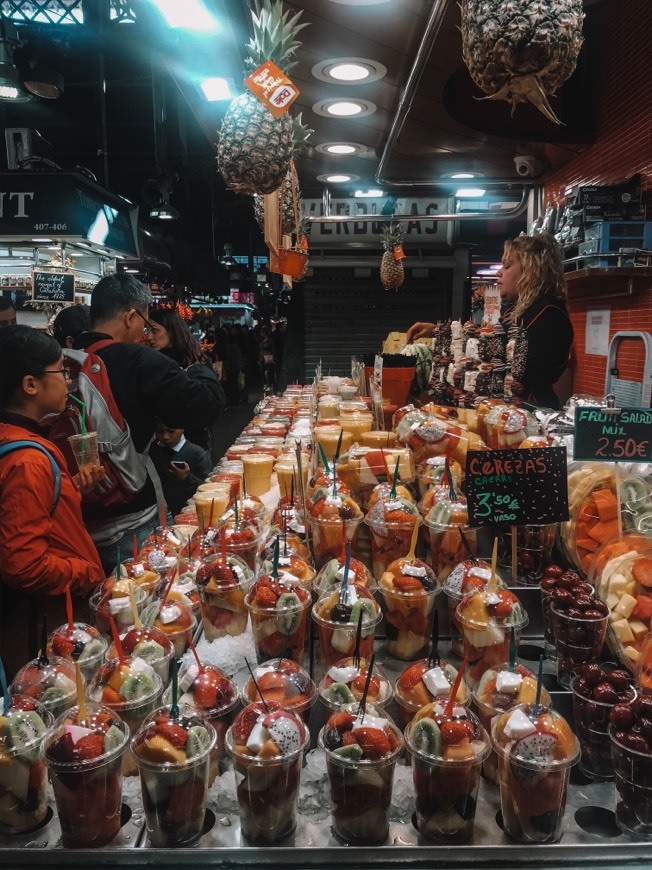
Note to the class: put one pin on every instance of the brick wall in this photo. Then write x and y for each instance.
(623, 147)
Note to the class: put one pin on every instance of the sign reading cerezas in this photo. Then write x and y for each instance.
(517, 487)
(603, 435)
(273, 88)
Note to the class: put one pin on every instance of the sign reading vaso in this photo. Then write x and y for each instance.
(613, 436)
(53, 286)
(424, 232)
(517, 487)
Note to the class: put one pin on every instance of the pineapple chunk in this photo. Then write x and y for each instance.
(632, 588)
(623, 631)
(639, 629)
(617, 584)
(625, 606)
(632, 653)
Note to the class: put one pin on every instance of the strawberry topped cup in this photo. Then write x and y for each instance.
(424, 682)
(391, 523)
(337, 614)
(149, 644)
(223, 584)
(361, 749)
(266, 745)
(344, 683)
(79, 643)
(284, 681)
(142, 575)
(50, 681)
(409, 589)
(84, 757)
(293, 570)
(279, 618)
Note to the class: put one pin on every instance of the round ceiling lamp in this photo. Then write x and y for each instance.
(349, 70)
(43, 82)
(336, 178)
(340, 107)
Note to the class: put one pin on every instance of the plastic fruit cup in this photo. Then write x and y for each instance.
(211, 504)
(327, 536)
(258, 472)
(361, 793)
(88, 793)
(174, 619)
(592, 729)
(389, 541)
(408, 621)
(533, 551)
(409, 702)
(633, 774)
(280, 632)
(51, 683)
(175, 792)
(267, 790)
(223, 611)
(577, 640)
(245, 547)
(447, 548)
(94, 648)
(446, 781)
(343, 684)
(337, 639)
(24, 801)
(104, 608)
(283, 681)
(149, 644)
(85, 450)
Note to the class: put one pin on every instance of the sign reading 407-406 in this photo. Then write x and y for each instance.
(517, 487)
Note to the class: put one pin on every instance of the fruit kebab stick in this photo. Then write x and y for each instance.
(358, 638)
(138, 623)
(69, 613)
(174, 707)
(413, 544)
(260, 694)
(6, 695)
(491, 585)
(292, 491)
(81, 699)
(363, 701)
(193, 650)
(456, 685)
(275, 559)
(449, 479)
(392, 493)
(284, 520)
(433, 658)
(467, 546)
(512, 650)
(116, 641)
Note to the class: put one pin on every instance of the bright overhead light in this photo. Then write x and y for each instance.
(344, 109)
(187, 15)
(341, 149)
(42, 240)
(486, 272)
(215, 89)
(463, 175)
(496, 266)
(349, 72)
(132, 271)
(338, 179)
(469, 192)
(164, 212)
(368, 193)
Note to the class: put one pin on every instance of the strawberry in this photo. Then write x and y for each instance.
(223, 574)
(506, 603)
(244, 536)
(203, 575)
(391, 736)
(456, 730)
(411, 677)
(204, 692)
(174, 734)
(244, 724)
(408, 584)
(342, 721)
(90, 746)
(265, 597)
(373, 741)
(61, 646)
(358, 685)
(348, 738)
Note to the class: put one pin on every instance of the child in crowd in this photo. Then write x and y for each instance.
(181, 465)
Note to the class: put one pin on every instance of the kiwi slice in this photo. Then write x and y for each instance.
(22, 733)
(426, 737)
(364, 606)
(113, 738)
(643, 521)
(353, 752)
(632, 491)
(289, 615)
(137, 685)
(198, 741)
(92, 648)
(53, 695)
(148, 651)
(339, 693)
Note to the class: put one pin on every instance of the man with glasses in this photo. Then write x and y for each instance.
(147, 386)
(7, 311)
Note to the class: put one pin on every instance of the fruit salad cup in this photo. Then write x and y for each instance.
(246, 544)
(331, 575)
(447, 549)
(223, 584)
(447, 751)
(391, 524)
(536, 750)
(344, 683)
(631, 753)
(361, 753)
(176, 620)
(487, 619)
(409, 589)
(433, 471)
(580, 629)
(333, 520)
(266, 746)
(142, 575)
(467, 576)
(111, 601)
(501, 689)
(424, 682)
(149, 644)
(84, 758)
(173, 754)
(598, 691)
(336, 614)
(80, 643)
(212, 694)
(184, 587)
(292, 570)
(279, 619)
(130, 688)
(285, 682)
(50, 681)
(23, 777)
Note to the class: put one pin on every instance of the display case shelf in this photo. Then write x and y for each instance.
(607, 282)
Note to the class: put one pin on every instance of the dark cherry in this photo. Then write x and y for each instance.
(340, 613)
(582, 687)
(583, 602)
(593, 613)
(502, 701)
(585, 588)
(346, 512)
(605, 694)
(548, 583)
(553, 571)
(646, 728)
(573, 576)
(564, 583)
(575, 613)
(635, 741)
(643, 706)
(621, 716)
(592, 673)
(619, 679)
(563, 598)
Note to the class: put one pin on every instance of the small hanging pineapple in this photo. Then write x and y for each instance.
(392, 273)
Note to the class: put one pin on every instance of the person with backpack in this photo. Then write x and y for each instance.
(142, 386)
(44, 546)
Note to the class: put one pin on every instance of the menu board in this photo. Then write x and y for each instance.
(53, 286)
(623, 435)
(517, 487)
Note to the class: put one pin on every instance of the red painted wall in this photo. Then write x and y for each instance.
(623, 147)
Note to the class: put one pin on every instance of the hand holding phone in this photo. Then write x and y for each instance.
(179, 465)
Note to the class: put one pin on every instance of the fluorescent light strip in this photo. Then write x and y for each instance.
(186, 15)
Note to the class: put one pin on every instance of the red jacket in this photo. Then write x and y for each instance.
(39, 553)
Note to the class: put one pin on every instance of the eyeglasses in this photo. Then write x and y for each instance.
(64, 371)
(148, 326)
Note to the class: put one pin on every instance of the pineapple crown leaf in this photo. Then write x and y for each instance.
(392, 235)
(300, 132)
(274, 37)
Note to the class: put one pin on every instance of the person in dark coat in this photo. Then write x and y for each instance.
(181, 465)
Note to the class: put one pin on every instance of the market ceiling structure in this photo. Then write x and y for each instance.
(134, 113)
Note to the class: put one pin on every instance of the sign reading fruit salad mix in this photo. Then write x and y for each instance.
(517, 487)
(609, 435)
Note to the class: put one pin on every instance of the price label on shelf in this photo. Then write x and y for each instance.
(613, 435)
(517, 487)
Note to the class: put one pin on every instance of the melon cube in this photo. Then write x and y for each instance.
(632, 653)
(612, 601)
(638, 629)
(617, 584)
(626, 604)
(623, 631)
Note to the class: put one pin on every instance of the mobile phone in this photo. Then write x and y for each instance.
(177, 464)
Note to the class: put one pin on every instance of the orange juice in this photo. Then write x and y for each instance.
(258, 472)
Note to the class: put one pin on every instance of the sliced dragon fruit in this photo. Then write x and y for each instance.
(285, 731)
(538, 748)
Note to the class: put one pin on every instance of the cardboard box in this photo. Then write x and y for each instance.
(621, 194)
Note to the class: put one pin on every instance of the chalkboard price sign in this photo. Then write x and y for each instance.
(53, 286)
(517, 487)
(613, 436)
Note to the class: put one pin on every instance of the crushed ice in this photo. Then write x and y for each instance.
(227, 653)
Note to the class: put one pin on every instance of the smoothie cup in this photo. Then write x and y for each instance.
(329, 436)
(84, 757)
(50, 681)
(223, 584)
(425, 682)
(408, 589)
(266, 745)
(80, 643)
(258, 472)
(360, 775)
(279, 619)
(447, 753)
(287, 472)
(85, 450)
(336, 614)
(173, 755)
(536, 750)
(210, 504)
(23, 792)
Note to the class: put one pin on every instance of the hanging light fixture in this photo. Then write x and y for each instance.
(44, 82)
(11, 88)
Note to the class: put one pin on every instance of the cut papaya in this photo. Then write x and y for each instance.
(601, 532)
(606, 504)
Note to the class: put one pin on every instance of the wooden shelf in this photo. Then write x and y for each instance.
(604, 282)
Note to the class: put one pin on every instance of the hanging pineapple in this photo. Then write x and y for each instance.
(519, 50)
(392, 273)
(288, 219)
(254, 147)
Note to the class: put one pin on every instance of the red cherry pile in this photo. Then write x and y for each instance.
(632, 724)
(555, 580)
(604, 684)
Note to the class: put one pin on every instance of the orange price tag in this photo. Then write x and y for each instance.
(399, 253)
(273, 88)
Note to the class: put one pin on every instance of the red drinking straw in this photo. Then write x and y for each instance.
(162, 512)
(451, 698)
(71, 619)
(116, 641)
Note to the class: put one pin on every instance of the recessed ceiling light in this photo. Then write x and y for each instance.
(464, 175)
(334, 178)
(350, 70)
(341, 149)
(469, 192)
(344, 108)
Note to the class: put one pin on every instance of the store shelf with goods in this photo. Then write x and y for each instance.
(604, 283)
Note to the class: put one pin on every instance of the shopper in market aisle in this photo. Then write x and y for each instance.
(44, 546)
(146, 386)
(533, 293)
(7, 311)
(69, 324)
(181, 465)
